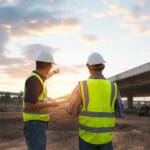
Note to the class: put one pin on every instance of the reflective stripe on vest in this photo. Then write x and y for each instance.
(103, 129)
(96, 121)
(43, 114)
(35, 111)
(97, 114)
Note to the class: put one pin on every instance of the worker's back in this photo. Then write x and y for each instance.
(97, 117)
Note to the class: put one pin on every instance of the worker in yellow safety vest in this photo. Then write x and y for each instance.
(96, 101)
(35, 105)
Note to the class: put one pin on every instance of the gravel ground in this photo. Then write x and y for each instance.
(131, 133)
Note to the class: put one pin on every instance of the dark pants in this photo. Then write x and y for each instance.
(87, 146)
(35, 135)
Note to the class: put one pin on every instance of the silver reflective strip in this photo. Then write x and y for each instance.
(112, 93)
(86, 95)
(91, 129)
(36, 112)
(97, 114)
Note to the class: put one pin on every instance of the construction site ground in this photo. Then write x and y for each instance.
(131, 133)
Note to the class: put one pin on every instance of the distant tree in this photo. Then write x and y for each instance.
(7, 97)
(20, 96)
(21, 93)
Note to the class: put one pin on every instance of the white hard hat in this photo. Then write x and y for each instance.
(95, 58)
(45, 57)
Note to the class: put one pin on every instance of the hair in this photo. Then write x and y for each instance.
(42, 65)
(97, 67)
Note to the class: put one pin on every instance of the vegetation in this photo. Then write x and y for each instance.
(9, 96)
(10, 101)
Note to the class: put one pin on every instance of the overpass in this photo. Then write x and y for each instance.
(134, 82)
(3, 93)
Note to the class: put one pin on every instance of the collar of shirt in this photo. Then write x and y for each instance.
(43, 78)
(96, 76)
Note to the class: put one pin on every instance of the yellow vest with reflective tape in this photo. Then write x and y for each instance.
(97, 116)
(42, 115)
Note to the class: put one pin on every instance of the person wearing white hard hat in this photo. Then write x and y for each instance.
(96, 102)
(95, 58)
(35, 106)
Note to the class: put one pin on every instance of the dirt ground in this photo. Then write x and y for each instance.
(131, 133)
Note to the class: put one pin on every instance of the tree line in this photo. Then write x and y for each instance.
(8, 97)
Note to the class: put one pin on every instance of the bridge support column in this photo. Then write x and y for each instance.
(130, 101)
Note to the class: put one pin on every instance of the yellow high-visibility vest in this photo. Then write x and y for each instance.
(42, 115)
(97, 116)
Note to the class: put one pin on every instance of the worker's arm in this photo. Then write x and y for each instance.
(119, 108)
(75, 102)
(53, 72)
(40, 105)
(33, 88)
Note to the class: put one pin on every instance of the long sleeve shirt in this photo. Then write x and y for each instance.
(76, 103)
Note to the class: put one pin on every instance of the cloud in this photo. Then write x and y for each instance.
(9, 62)
(31, 50)
(73, 69)
(15, 67)
(98, 15)
(91, 39)
(24, 68)
(20, 71)
(138, 19)
(84, 10)
(114, 8)
(39, 3)
(19, 67)
(21, 20)
(3, 39)
(6, 1)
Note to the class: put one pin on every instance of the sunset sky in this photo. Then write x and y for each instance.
(71, 30)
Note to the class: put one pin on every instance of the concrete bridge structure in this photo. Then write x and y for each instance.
(134, 82)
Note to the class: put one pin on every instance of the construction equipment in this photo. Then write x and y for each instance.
(144, 110)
